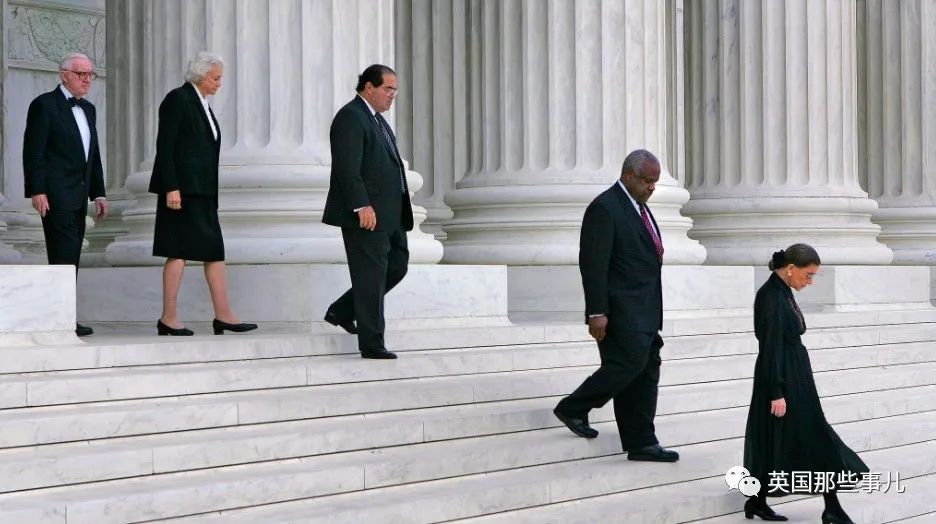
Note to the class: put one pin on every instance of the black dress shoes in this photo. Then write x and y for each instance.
(758, 508)
(836, 517)
(83, 331)
(654, 453)
(164, 330)
(378, 354)
(576, 425)
(220, 327)
(347, 325)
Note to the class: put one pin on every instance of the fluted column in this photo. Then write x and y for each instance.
(771, 141)
(559, 92)
(432, 61)
(898, 103)
(289, 65)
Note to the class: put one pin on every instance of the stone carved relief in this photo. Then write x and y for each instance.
(43, 36)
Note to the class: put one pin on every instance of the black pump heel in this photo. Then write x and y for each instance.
(164, 330)
(220, 327)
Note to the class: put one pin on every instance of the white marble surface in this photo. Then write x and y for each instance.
(36, 299)
(295, 293)
(686, 289)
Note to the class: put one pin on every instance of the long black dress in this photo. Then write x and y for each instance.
(802, 440)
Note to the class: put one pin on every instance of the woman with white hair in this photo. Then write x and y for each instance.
(185, 180)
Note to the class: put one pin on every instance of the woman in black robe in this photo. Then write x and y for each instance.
(786, 429)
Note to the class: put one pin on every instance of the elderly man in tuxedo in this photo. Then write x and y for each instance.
(620, 258)
(369, 200)
(62, 162)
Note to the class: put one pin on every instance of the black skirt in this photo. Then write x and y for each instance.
(190, 233)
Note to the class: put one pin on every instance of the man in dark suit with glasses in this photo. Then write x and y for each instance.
(62, 163)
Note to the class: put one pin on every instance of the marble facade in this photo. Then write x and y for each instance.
(775, 121)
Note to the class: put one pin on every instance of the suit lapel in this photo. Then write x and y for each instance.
(391, 147)
(634, 216)
(217, 126)
(196, 101)
(67, 119)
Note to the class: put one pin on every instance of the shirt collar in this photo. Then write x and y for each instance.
(369, 107)
(199, 93)
(66, 92)
(634, 202)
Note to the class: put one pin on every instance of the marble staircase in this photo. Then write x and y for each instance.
(268, 428)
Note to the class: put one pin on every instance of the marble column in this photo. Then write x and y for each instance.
(771, 144)
(8, 255)
(559, 92)
(289, 65)
(432, 61)
(898, 106)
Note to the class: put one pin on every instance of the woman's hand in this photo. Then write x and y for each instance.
(778, 407)
(174, 199)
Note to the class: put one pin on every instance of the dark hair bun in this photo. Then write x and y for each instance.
(777, 261)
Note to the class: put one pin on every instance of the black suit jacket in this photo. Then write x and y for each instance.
(365, 172)
(187, 152)
(619, 264)
(53, 156)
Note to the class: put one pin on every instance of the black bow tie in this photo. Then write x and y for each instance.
(80, 102)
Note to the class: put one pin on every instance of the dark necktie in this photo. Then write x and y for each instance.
(657, 243)
(381, 123)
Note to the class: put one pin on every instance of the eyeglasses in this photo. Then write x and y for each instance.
(83, 75)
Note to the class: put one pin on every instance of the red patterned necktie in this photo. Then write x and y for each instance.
(657, 243)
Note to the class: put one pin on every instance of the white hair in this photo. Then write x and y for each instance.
(66, 62)
(199, 66)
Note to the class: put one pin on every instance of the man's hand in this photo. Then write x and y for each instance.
(100, 207)
(367, 218)
(597, 326)
(174, 199)
(41, 204)
(778, 407)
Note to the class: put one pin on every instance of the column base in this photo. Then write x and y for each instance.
(269, 215)
(910, 232)
(748, 231)
(522, 225)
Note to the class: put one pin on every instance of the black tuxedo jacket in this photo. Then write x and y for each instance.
(619, 264)
(187, 152)
(53, 156)
(365, 172)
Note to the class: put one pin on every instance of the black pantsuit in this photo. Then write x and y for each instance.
(54, 164)
(621, 277)
(377, 262)
(367, 171)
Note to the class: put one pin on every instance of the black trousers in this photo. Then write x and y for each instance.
(629, 374)
(377, 261)
(64, 233)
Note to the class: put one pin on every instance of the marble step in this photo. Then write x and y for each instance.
(126, 350)
(147, 497)
(30, 468)
(926, 518)
(709, 501)
(43, 425)
(602, 489)
(69, 387)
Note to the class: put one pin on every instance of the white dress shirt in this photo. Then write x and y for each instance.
(82, 120)
(204, 103)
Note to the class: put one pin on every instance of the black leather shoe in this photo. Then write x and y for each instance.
(220, 327)
(654, 453)
(164, 330)
(576, 425)
(755, 508)
(347, 325)
(836, 517)
(378, 354)
(83, 331)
